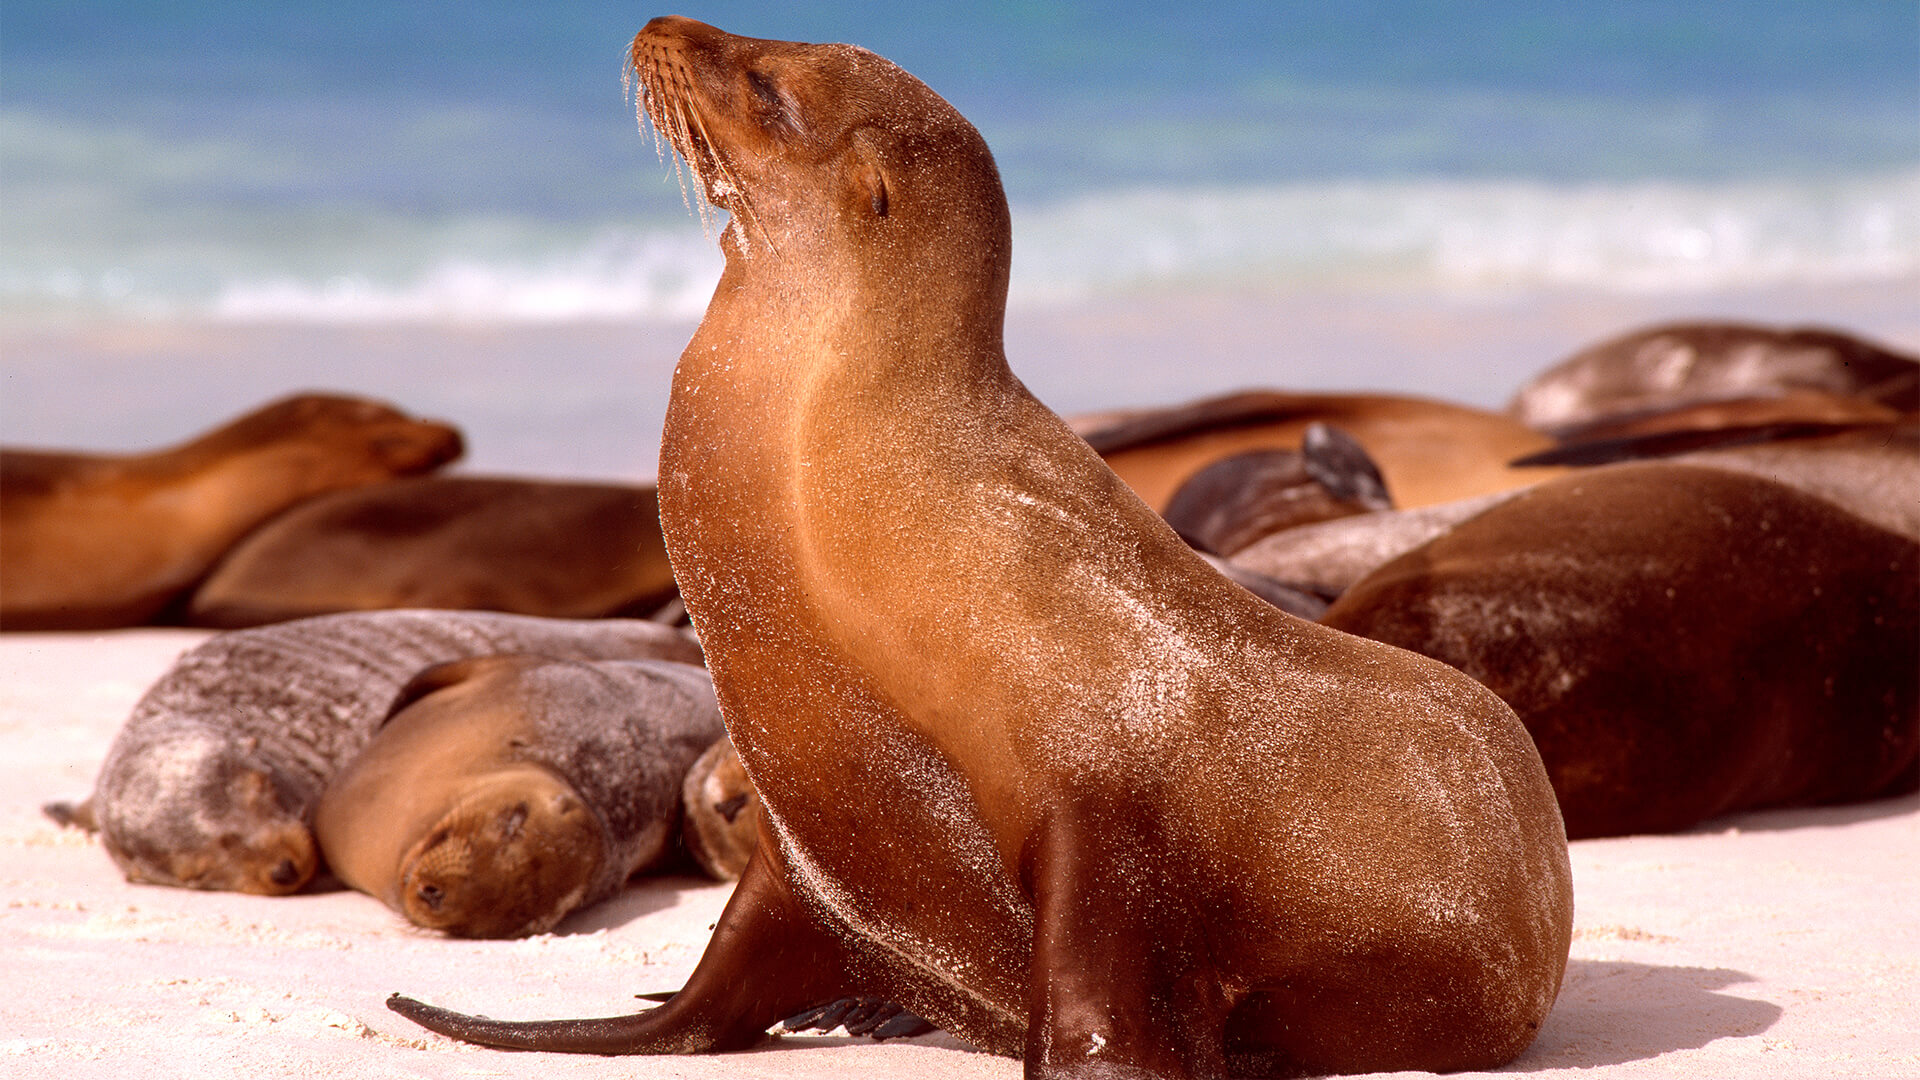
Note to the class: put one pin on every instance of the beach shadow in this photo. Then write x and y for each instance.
(642, 896)
(1610, 1013)
(1800, 817)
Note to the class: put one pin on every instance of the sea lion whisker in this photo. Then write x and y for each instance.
(728, 175)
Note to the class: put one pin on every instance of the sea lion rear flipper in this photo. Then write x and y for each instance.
(72, 815)
(768, 958)
(881, 1020)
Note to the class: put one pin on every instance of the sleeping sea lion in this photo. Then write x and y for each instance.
(1029, 767)
(1237, 500)
(211, 783)
(505, 792)
(1691, 363)
(532, 547)
(91, 541)
(722, 822)
(1428, 451)
(1680, 641)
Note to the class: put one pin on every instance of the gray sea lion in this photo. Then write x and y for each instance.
(90, 541)
(1327, 557)
(532, 547)
(505, 792)
(1137, 822)
(1680, 641)
(1690, 363)
(212, 782)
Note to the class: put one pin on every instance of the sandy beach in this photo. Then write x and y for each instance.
(1780, 944)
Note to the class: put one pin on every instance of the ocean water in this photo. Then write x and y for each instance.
(373, 163)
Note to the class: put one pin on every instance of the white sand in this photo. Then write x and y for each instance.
(1781, 945)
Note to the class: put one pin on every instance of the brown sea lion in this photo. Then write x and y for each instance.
(212, 781)
(1680, 641)
(722, 822)
(1237, 500)
(505, 792)
(90, 541)
(1871, 469)
(1692, 363)
(1136, 822)
(1428, 451)
(533, 547)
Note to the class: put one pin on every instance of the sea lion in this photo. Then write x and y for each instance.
(1691, 363)
(211, 783)
(1327, 557)
(1681, 641)
(1029, 767)
(1237, 500)
(533, 547)
(1428, 451)
(722, 813)
(1871, 469)
(505, 792)
(91, 541)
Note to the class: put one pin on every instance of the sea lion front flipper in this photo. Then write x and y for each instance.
(767, 959)
(1115, 990)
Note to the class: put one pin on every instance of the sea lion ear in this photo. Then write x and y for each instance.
(868, 177)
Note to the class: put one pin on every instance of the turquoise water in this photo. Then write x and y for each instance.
(378, 162)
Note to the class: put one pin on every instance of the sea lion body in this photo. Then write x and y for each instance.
(532, 547)
(1681, 642)
(1684, 364)
(1137, 822)
(507, 791)
(212, 781)
(92, 541)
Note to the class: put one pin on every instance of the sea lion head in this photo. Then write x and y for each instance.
(513, 855)
(809, 146)
(235, 827)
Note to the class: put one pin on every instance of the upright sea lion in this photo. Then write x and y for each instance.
(533, 547)
(1691, 363)
(1136, 822)
(211, 783)
(1428, 451)
(504, 792)
(1680, 641)
(89, 541)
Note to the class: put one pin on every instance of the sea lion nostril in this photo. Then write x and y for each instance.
(285, 873)
(431, 895)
